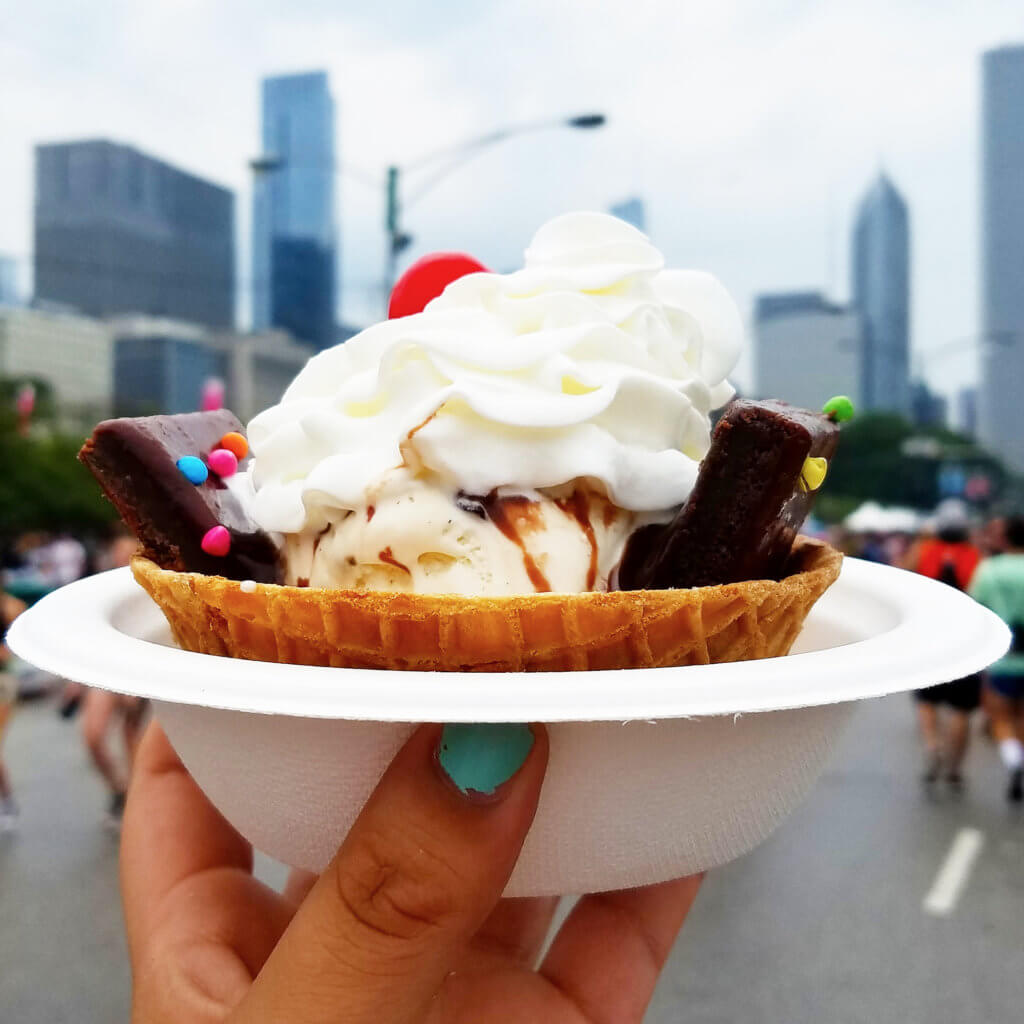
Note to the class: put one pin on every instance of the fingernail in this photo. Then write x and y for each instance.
(479, 758)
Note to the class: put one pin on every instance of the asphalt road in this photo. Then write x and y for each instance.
(823, 923)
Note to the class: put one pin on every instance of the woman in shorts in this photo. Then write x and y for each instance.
(10, 608)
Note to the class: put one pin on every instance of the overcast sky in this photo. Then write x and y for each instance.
(749, 127)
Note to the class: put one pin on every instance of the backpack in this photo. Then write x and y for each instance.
(947, 574)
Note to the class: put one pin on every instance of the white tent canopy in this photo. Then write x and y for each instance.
(874, 518)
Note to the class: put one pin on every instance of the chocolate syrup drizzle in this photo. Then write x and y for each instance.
(516, 514)
(387, 555)
(578, 507)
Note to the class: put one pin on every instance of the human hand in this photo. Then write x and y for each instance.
(406, 924)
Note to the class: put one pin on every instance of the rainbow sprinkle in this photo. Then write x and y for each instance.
(223, 462)
(236, 444)
(839, 409)
(193, 469)
(812, 474)
(216, 541)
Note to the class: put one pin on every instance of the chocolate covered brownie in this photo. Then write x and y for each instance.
(158, 472)
(755, 487)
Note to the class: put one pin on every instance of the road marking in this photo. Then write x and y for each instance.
(956, 869)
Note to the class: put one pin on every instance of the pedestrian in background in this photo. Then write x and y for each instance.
(8, 806)
(944, 711)
(999, 585)
(102, 711)
(10, 608)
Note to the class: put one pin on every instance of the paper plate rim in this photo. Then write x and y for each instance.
(938, 634)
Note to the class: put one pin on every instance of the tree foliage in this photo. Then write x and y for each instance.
(884, 458)
(43, 486)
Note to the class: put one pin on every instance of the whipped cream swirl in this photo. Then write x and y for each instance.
(591, 363)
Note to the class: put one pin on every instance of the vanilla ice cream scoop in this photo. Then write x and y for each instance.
(414, 537)
(511, 436)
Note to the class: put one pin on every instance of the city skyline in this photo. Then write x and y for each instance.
(750, 183)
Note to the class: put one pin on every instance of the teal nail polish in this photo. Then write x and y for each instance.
(479, 758)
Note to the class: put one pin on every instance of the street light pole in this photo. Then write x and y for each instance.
(444, 161)
(397, 240)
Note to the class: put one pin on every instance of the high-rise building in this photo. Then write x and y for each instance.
(631, 211)
(967, 411)
(161, 366)
(294, 243)
(1002, 253)
(806, 348)
(72, 355)
(927, 407)
(117, 231)
(260, 368)
(881, 295)
(8, 280)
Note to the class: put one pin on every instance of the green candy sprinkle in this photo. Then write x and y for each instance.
(839, 409)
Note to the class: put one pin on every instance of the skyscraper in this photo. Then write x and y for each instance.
(927, 407)
(8, 280)
(117, 231)
(294, 261)
(806, 348)
(881, 295)
(967, 411)
(1002, 253)
(631, 211)
(72, 355)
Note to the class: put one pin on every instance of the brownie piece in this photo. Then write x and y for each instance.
(135, 461)
(746, 507)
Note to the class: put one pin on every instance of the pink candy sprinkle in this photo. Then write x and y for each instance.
(217, 541)
(223, 462)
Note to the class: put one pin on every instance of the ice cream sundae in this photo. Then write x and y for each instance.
(520, 475)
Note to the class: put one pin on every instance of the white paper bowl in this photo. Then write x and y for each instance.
(654, 773)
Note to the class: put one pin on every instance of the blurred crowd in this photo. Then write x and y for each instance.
(984, 557)
(35, 564)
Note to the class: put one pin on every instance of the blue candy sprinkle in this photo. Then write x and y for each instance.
(193, 468)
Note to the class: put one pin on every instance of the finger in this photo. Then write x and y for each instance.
(296, 889)
(420, 872)
(213, 937)
(171, 832)
(607, 956)
(514, 932)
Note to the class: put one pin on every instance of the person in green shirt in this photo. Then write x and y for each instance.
(999, 584)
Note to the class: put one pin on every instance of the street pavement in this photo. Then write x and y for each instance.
(825, 922)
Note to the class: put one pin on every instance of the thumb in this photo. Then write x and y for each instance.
(421, 870)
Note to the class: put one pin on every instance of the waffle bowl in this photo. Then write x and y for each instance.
(453, 633)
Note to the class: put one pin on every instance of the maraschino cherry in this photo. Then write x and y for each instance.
(427, 278)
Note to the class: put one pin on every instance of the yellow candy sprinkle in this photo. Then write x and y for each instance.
(812, 475)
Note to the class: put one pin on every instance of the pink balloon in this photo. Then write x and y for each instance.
(212, 396)
(25, 401)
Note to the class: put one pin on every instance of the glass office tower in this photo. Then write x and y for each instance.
(294, 240)
(117, 231)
